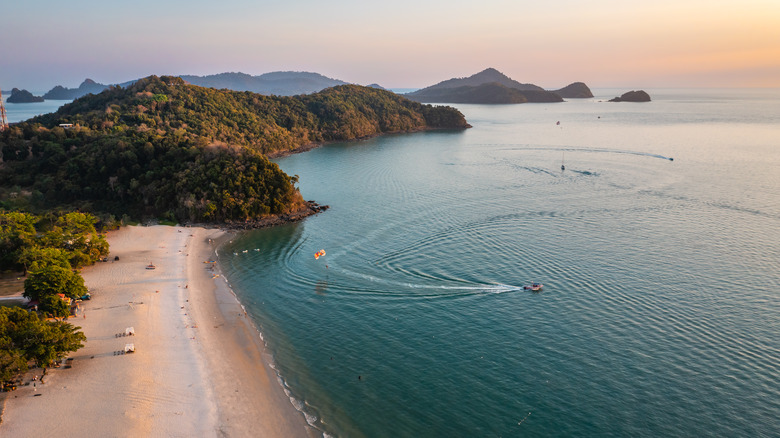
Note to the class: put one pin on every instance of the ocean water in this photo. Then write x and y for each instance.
(18, 112)
(658, 247)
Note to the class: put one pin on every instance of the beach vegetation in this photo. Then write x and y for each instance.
(26, 339)
(17, 232)
(26, 238)
(46, 278)
(49, 250)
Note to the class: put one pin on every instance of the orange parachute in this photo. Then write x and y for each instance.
(319, 254)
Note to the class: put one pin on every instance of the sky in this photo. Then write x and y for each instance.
(398, 44)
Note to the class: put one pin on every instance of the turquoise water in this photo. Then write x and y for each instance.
(660, 313)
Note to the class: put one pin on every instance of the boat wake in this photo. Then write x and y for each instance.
(511, 147)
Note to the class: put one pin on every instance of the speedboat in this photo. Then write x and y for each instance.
(534, 287)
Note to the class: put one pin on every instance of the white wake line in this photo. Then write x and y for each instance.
(573, 149)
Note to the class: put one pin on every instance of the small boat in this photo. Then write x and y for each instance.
(535, 287)
(150, 266)
(562, 166)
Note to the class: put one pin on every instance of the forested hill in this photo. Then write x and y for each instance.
(268, 124)
(161, 147)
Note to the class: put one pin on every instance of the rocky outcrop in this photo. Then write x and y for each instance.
(577, 90)
(309, 208)
(23, 96)
(632, 96)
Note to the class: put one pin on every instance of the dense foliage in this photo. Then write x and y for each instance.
(25, 339)
(69, 239)
(50, 250)
(161, 147)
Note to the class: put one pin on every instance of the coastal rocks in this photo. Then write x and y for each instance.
(633, 96)
(310, 208)
(23, 96)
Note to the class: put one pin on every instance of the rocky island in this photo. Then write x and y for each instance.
(490, 86)
(23, 96)
(632, 96)
(576, 90)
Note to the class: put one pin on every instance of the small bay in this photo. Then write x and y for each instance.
(657, 247)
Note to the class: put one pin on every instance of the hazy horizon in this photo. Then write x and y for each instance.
(605, 43)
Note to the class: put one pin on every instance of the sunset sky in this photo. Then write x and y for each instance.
(404, 43)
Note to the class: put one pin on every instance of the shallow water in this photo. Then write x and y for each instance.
(660, 313)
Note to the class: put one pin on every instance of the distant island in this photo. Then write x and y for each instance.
(488, 86)
(632, 96)
(87, 87)
(493, 87)
(23, 96)
(163, 148)
(576, 90)
(282, 83)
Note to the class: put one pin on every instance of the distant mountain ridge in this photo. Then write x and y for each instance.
(491, 86)
(281, 83)
(61, 93)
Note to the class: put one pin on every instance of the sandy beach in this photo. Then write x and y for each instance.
(198, 368)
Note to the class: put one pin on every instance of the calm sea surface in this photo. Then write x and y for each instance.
(17, 112)
(660, 313)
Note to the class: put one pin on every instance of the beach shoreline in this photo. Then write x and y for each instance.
(199, 366)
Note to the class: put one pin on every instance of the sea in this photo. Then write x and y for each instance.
(17, 112)
(658, 247)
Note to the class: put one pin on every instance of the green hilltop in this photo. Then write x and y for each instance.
(163, 148)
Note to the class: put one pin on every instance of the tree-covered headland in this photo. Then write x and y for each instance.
(164, 148)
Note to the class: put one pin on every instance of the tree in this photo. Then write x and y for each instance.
(17, 231)
(31, 255)
(49, 279)
(75, 232)
(54, 306)
(12, 361)
(25, 338)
